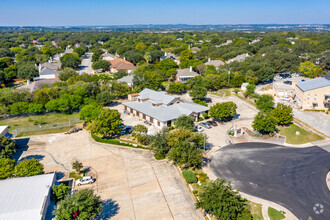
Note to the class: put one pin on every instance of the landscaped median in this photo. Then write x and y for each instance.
(297, 135)
(116, 142)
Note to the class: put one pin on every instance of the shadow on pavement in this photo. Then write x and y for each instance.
(110, 209)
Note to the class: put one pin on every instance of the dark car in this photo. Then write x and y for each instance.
(207, 100)
(213, 123)
(288, 82)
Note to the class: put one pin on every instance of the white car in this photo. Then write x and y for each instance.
(199, 128)
(84, 180)
(286, 99)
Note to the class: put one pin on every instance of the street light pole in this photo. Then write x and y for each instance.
(228, 77)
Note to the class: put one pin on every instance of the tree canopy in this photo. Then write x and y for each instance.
(107, 123)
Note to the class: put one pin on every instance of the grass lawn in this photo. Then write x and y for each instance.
(75, 175)
(256, 211)
(302, 138)
(41, 124)
(274, 214)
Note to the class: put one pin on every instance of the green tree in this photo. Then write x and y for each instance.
(26, 71)
(84, 204)
(105, 98)
(167, 64)
(120, 74)
(35, 108)
(107, 123)
(76, 165)
(67, 73)
(186, 57)
(158, 142)
(177, 87)
(140, 133)
(249, 90)
(198, 92)
(283, 114)
(310, 70)
(265, 103)
(70, 60)
(185, 147)
(7, 147)
(90, 112)
(19, 107)
(219, 199)
(7, 167)
(186, 122)
(224, 110)
(264, 123)
(80, 51)
(29, 168)
(59, 192)
(101, 64)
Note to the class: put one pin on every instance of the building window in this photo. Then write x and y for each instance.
(158, 123)
(144, 117)
(151, 120)
(137, 113)
(131, 110)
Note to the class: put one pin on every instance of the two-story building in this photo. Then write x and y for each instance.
(313, 94)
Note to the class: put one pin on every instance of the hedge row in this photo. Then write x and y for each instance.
(116, 142)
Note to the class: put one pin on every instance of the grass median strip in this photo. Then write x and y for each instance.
(116, 142)
(275, 214)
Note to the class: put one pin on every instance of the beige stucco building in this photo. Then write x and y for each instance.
(313, 94)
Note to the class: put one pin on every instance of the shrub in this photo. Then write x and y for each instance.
(205, 115)
(202, 177)
(195, 192)
(29, 168)
(200, 119)
(60, 191)
(159, 156)
(189, 176)
(170, 128)
(6, 167)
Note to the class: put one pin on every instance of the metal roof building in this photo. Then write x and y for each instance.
(25, 197)
(313, 84)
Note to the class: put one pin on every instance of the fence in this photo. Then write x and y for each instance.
(45, 128)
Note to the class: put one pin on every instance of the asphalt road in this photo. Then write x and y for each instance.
(86, 64)
(292, 177)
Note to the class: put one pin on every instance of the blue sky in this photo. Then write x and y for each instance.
(121, 12)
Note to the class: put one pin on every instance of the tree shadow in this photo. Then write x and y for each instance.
(86, 170)
(35, 156)
(110, 209)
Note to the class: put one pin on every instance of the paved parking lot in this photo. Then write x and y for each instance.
(131, 183)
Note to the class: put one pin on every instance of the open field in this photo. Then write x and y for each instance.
(41, 124)
(302, 138)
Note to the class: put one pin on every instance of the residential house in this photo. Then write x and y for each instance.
(171, 56)
(185, 74)
(313, 94)
(108, 56)
(52, 64)
(195, 49)
(127, 79)
(26, 197)
(47, 73)
(161, 109)
(238, 58)
(215, 63)
(36, 85)
(121, 64)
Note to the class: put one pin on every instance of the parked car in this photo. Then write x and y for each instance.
(205, 125)
(207, 100)
(213, 123)
(288, 82)
(199, 128)
(285, 99)
(84, 180)
(278, 77)
(127, 130)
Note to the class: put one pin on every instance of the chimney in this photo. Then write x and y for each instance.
(189, 47)
(39, 67)
(124, 58)
(190, 68)
(166, 54)
(28, 82)
(209, 59)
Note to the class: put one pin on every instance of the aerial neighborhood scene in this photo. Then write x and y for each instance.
(176, 110)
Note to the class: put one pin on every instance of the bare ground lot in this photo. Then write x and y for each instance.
(134, 184)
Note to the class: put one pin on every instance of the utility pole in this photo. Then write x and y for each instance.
(228, 77)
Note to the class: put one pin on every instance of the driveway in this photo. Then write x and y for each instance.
(86, 64)
(131, 183)
(292, 177)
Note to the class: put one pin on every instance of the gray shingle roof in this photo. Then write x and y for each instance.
(313, 84)
(215, 63)
(166, 113)
(35, 85)
(47, 71)
(186, 72)
(156, 97)
(127, 79)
